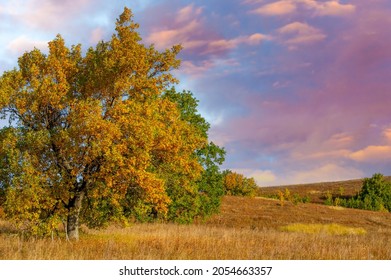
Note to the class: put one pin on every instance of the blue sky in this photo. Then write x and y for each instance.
(296, 90)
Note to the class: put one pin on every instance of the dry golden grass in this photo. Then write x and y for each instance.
(245, 229)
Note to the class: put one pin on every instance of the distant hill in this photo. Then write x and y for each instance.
(317, 191)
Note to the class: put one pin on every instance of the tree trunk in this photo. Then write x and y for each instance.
(73, 216)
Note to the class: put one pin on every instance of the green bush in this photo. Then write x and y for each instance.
(374, 195)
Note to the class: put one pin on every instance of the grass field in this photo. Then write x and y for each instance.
(246, 228)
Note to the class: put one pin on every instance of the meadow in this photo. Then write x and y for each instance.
(245, 229)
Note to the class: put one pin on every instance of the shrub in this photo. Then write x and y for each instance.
(238, 185)
(374, 195)
(329, 198)
(281, 197)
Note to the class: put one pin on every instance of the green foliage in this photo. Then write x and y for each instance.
(211, 183)
(238, 185)
(341, 190)
(329, 198)
(198, 198)
(203, 197)
(306, 199)
(295, 198)
(287, 194)
(374, 195)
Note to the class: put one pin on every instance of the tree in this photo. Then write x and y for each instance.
(190, 199)
(375, 193)
(237, 184)
(204, 196)
(91, 134)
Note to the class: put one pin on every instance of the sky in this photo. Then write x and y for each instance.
(296, 91)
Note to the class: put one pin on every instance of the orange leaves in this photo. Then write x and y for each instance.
(154, 189)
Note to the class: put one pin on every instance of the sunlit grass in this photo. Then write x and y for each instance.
(246, 228)
(331, 229)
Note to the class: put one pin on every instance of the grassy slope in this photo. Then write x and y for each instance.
(245, 229)
(318, 191)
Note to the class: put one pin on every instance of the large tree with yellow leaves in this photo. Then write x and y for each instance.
(92, 137)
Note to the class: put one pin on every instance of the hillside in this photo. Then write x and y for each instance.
(262, 213)
(246, 228)
(317, 191)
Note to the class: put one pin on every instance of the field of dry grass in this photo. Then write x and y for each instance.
(246, 228)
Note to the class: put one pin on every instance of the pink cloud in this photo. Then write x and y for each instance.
(387, 134)
(308, 116)
(184, 34)
(323, 173)
(186, 27)
(190, 29)
(372, 154)
(97, 35)
(332, 8)
(289, 7)
(319, 147)
(188, 13)
(303, 115)
(23, 43)
(276, 9)
(221, 45)
(296, 33)
(51, 14)
(261, 177)
(195, 70)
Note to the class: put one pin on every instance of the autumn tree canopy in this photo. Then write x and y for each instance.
(102, 135)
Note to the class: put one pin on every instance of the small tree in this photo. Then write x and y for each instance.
(238, 184)
(375, 193)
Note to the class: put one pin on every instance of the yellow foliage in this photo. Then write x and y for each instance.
(93, 125)
(237, 184)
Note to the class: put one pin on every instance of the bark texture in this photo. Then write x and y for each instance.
(73, 217)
